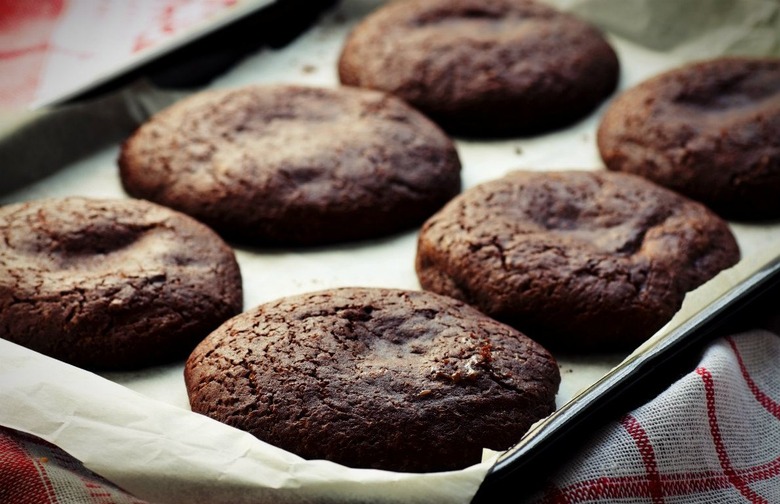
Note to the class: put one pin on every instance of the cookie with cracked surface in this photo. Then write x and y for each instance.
(483, 67)
(708, 130)
(111, 284)
(374, 378)
(293, 165)
(578, 260)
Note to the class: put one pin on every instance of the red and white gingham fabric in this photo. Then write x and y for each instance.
(33, 471)
(712, 437)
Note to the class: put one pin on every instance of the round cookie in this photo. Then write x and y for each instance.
(483, 67)
(293, 165)
(577, 260)
(374, 378)
(709, 130)
(111, 284)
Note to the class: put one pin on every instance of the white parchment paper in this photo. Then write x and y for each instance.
(136, 429)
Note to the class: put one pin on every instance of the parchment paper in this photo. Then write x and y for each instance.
(136, 428)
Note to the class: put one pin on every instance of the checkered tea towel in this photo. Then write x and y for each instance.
(33, 471)
(712, 437)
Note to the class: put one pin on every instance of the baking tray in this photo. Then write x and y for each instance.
(82, 161)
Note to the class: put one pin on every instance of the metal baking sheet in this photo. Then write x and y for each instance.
(269, 274)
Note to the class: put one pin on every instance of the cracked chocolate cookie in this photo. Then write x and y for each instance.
(483, 67)
(578, 260)
(709, 130)
(111, 284)
(374, 378)
(293, 165)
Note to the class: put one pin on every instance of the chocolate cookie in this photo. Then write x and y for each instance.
(111, 284)
(483, 67)
(293, 165)
(577, 260)
(374, 378)
(709, 130)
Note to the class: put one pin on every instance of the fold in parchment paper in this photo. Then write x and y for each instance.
(136, 428)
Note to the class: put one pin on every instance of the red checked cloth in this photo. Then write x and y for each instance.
(712, 437)
(33, 471)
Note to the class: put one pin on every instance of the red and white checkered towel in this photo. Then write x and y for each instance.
(33, 471)
(712, 437)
